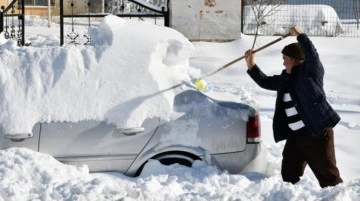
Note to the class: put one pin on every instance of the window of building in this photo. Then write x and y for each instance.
(38, 2)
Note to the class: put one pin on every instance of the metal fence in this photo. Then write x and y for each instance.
(332, 18)
(76, 16)
(12, 21)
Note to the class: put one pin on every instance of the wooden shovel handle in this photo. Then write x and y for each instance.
(242, 57)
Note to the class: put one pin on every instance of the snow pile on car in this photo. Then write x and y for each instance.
(314, 19)
(74, 83)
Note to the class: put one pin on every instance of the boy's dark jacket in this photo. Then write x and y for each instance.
(305, 84)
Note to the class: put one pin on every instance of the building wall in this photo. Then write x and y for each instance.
(3, 2)
(207, 20)
(80, 7)
(41, 10)
(33, 10)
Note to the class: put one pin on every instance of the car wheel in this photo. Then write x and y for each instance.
(172, 159)
(181, 158)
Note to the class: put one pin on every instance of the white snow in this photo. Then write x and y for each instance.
(43, 72)
(106, 77)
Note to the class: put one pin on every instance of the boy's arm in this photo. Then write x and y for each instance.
(314, 67)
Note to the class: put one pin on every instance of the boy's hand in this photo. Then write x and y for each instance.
(249, 58)
(295, 31)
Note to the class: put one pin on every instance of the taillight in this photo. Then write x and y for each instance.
(253, 131)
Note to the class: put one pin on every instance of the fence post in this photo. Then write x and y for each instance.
(23, 22)
(357, 12)
(167, 15)
(242, 16)
(2, 19)
(61, 22)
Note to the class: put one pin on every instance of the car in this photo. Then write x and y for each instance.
(83, 105)
(320, 20)
(224, 134)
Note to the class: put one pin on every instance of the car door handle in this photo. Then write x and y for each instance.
(132, 131)
(18, 137)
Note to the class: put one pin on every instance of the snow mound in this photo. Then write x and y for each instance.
(42, 169)
(75, 83)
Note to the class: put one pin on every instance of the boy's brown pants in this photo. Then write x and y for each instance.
(317, 151)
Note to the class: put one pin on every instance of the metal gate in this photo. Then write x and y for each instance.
(12, 21)
(83, 13)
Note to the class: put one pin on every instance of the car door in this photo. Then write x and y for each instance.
(99, 145)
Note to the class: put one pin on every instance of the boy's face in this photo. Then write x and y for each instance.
(289, 62)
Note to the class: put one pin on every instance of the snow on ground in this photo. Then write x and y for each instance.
(27, 175)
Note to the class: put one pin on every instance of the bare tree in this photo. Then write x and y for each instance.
(263, 9)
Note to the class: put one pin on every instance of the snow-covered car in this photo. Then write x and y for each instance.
(122, 101)
(317, 20)
(223, 134)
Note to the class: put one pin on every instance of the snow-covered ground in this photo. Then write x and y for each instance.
(27, 175)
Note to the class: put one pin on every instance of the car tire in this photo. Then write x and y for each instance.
(170, 159)
(184, 159)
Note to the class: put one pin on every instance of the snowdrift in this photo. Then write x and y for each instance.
(74, 83)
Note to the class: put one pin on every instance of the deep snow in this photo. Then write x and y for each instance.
(106, 77)
(27, 175)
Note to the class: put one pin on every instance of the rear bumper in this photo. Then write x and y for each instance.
(259, 163)
(252, 159)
